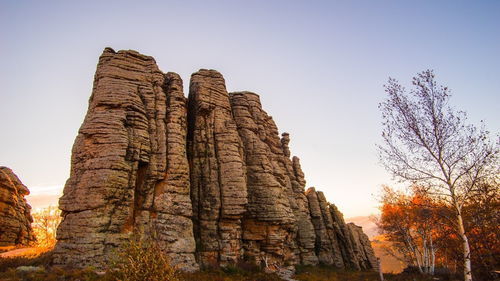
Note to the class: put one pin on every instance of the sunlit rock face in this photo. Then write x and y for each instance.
(129, 170)
(269, 224)
(218, 171)
(15, 212)
(208, 177)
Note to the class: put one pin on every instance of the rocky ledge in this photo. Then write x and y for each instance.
(207, 177)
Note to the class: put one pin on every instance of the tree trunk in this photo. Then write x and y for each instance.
(381, 275)
(413, 249)
(433, 256)
(425, 255)
(417, 259)
(466, 248)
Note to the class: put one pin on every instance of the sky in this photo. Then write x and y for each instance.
(318, 66)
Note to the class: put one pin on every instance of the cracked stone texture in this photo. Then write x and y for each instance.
(207, 177)
(324, 247)
(269, 226)
(218, 172)
(362, 248)
(306, 235)
(129, 174)
(344, 238)
(15, 212)
(337, 243)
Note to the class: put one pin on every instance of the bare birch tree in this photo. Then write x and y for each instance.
(427, 142)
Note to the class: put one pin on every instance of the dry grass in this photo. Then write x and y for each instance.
(54, 274)
(144, 261)
(323, 273)
(30, 257)
(229, 274)
(328, 273)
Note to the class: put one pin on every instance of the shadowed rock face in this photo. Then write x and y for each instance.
(207, 177)
(327, 247)
(337, 243)
(362, 248)
(15, 216)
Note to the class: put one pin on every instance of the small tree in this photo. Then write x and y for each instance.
(45, 222)
(410, 222)
(428, 143)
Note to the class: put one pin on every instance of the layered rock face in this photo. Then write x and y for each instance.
(218, 172)
(364, 254)
(15, 213)
(209, 178)
(337, 243)
(129, 171)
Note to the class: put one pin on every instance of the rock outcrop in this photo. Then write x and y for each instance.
(363, 251)
(337, 243)
(209, 178)
(15, 212)
(129, 171)
(218, 173)
(327, 247)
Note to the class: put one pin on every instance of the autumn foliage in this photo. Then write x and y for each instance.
(422, 233)
(45, 222)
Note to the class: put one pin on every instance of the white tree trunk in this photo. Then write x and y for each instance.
(433, 256)
(381, 275)
(418, 258)
(425, 256)
(466, 248)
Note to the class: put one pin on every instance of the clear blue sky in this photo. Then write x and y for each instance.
(319, 67)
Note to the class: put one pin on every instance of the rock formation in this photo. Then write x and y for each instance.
(327, 247)
(129, 171)
(337, 243)
(15, 213)
(364, 254)
(207, 177)
(218, 173)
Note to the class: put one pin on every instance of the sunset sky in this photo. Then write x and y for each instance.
(319, 67)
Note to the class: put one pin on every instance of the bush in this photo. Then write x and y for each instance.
(140, 260)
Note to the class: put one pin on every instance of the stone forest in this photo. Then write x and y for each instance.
(208, 177)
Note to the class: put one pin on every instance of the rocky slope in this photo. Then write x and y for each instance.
(208, 177)
(15, 213)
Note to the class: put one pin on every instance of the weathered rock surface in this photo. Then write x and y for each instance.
(218, 173)
(129, 171)
(327, 248)
(15, 212)
(269, 224)
(207, 177)
(362, 248)
(337, 243)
